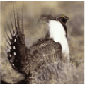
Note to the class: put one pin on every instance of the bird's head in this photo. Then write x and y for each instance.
(62, 18)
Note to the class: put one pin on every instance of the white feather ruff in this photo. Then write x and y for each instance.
(57, 33)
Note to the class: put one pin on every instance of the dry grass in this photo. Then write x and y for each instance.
(34, 31)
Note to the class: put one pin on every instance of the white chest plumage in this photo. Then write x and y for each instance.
(58, 34)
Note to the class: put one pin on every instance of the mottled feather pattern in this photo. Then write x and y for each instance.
(29, 61)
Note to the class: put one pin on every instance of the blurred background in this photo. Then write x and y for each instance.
(34, 30)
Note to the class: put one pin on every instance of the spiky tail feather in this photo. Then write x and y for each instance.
(16, 54)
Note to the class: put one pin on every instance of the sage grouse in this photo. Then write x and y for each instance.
(42, 53)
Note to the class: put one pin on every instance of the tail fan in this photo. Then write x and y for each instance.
(16, 43)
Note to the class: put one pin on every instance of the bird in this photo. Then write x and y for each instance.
(45, 51)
